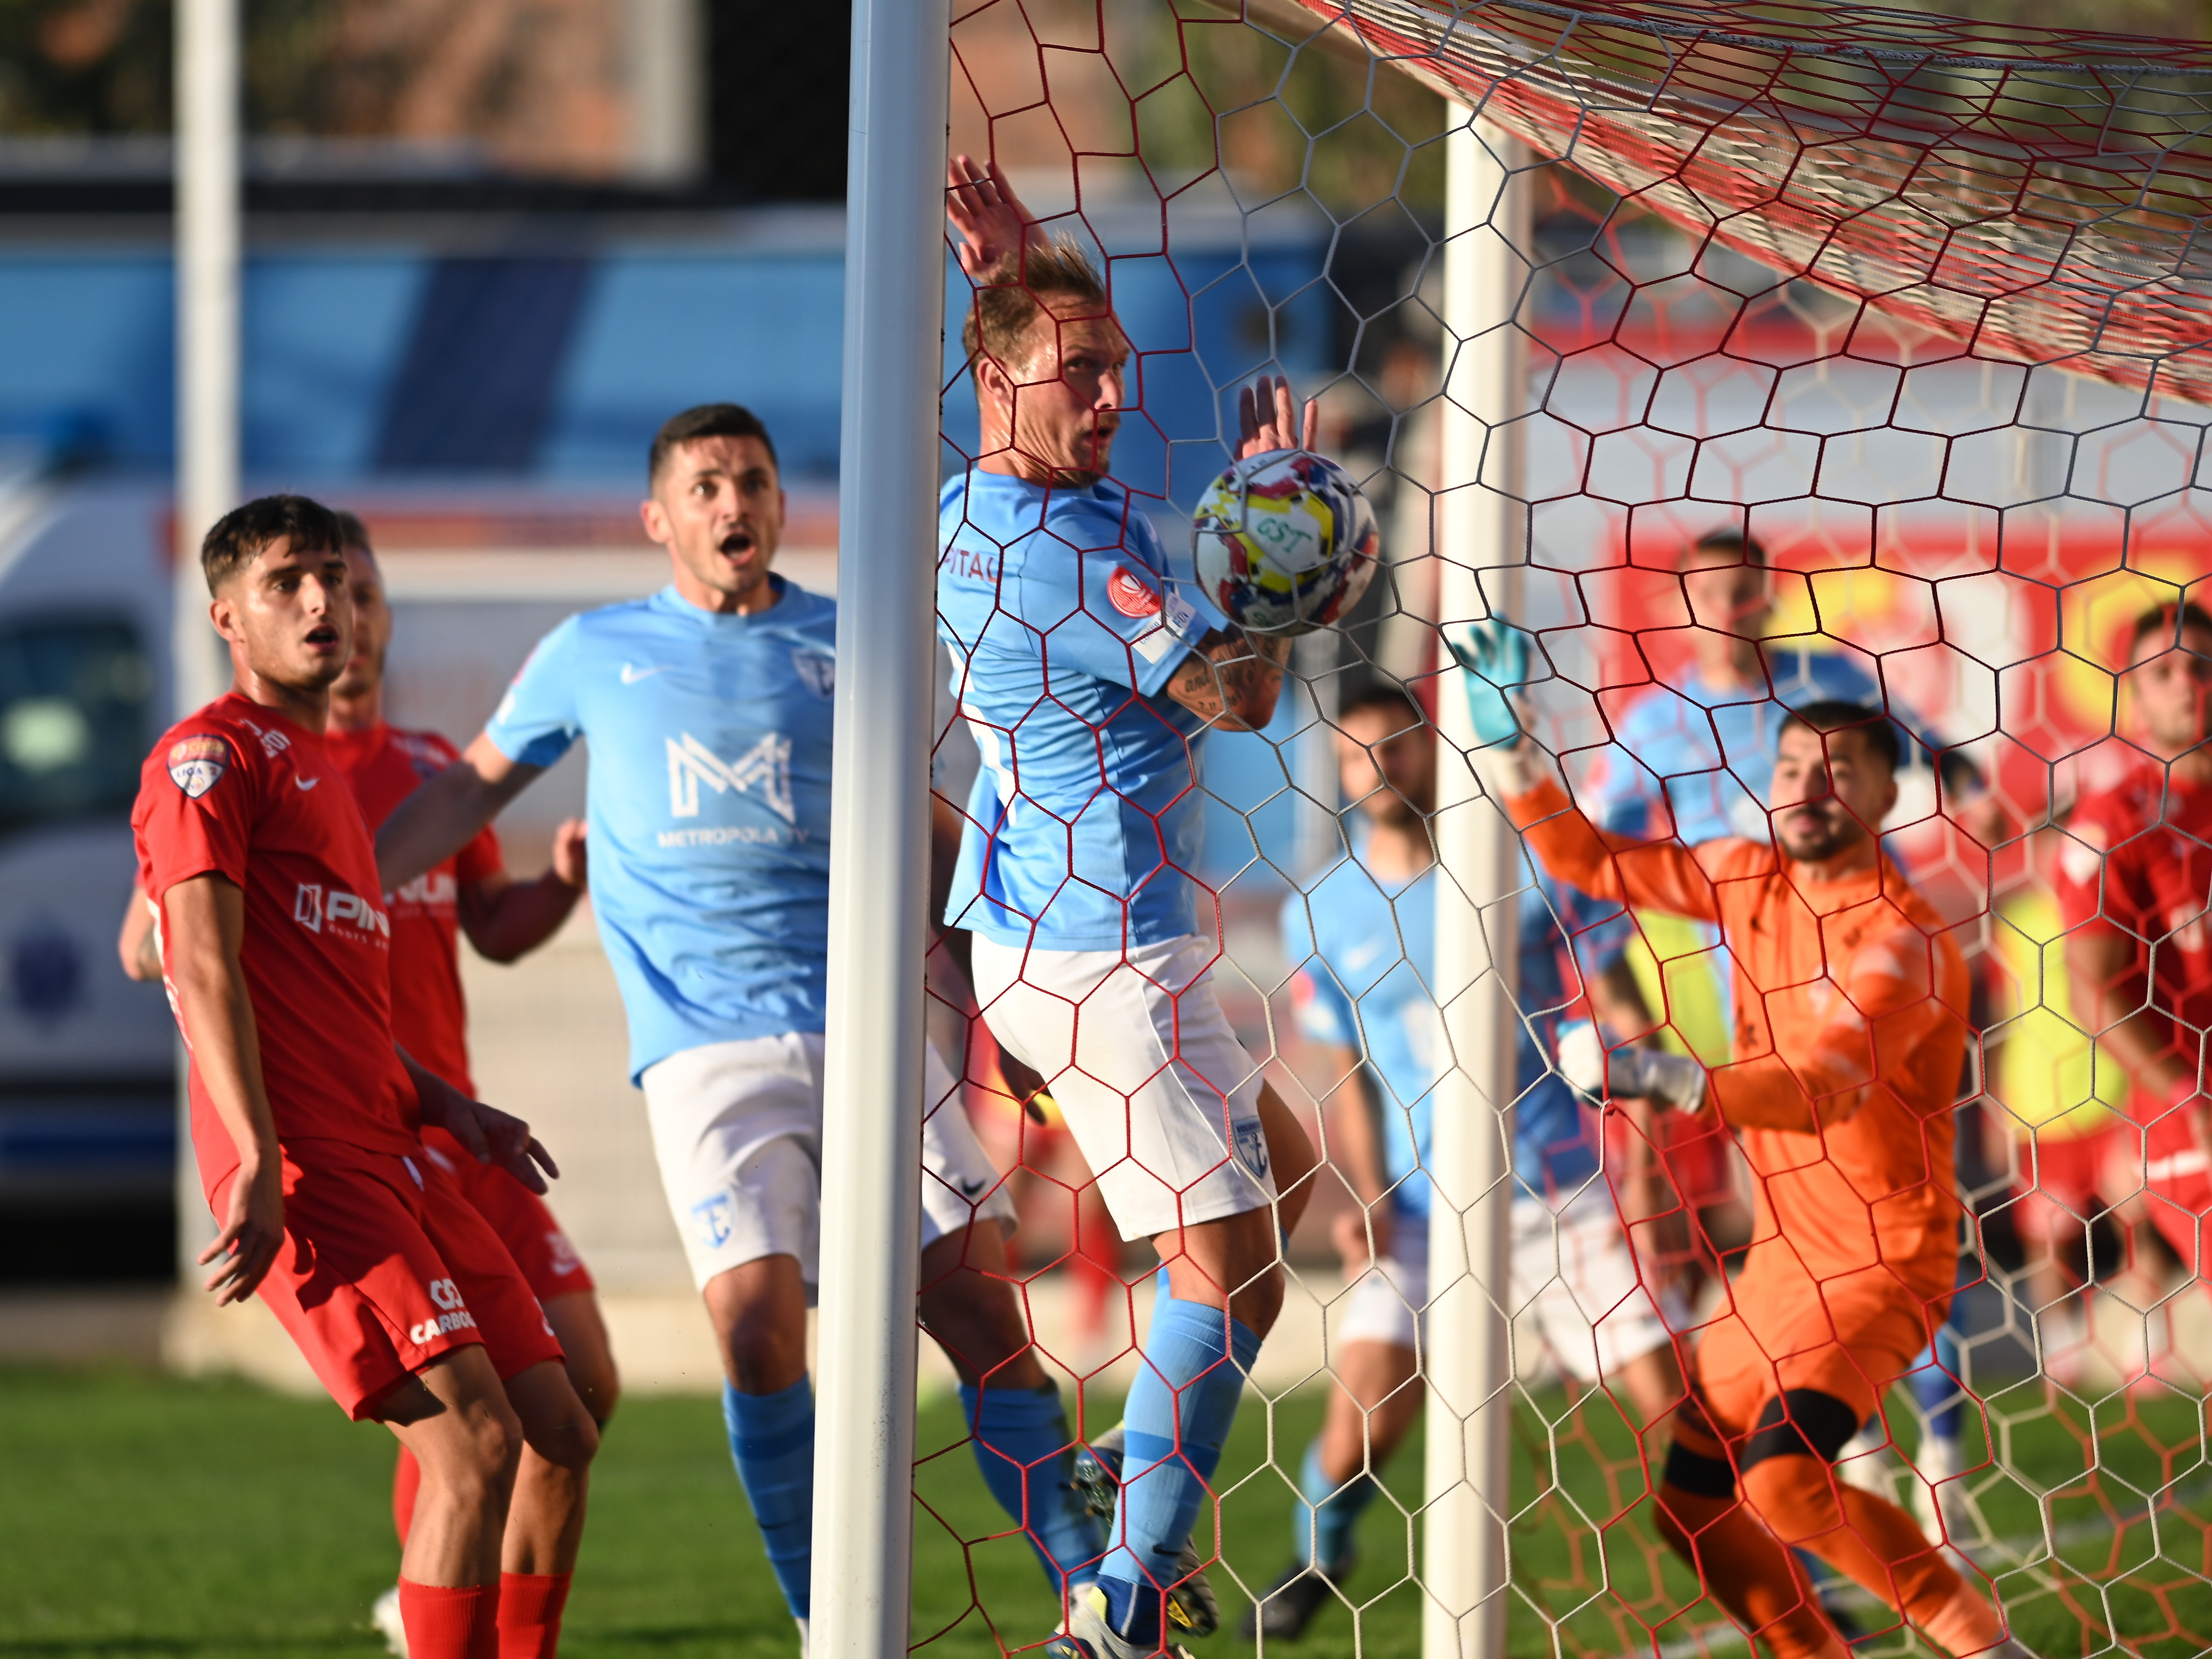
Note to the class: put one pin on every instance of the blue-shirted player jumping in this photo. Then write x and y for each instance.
(708, 710)
(1362, 942)
(1090, 684)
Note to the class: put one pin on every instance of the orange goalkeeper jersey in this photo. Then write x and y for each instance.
(1851, 1030)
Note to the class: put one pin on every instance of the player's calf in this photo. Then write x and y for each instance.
(454, 1415)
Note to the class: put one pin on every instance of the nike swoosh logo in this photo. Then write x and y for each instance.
(631, 675)
(972, 1189)
(306, 783)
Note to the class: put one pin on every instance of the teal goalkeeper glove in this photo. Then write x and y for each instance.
(1496, 655)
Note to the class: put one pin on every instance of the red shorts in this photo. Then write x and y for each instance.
(2062, 1179)
(379, 1273)
(518, 1215)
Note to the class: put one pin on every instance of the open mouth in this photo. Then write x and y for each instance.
(738, 544)
(323, 637)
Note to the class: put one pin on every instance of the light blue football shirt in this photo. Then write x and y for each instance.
(1708, 751)
(1063, 626)
(1365, 958)
(709, 805)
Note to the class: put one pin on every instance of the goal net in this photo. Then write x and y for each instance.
(1853, 360)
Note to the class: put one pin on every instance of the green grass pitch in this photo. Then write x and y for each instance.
(147, 1516)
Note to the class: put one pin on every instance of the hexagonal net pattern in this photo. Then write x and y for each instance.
(1845, 677)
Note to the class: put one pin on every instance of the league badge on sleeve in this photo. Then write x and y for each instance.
(197, 764)
(1132, 595)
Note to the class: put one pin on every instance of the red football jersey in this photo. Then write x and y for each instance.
(240, 790)
(2139, 866)
(384, 766)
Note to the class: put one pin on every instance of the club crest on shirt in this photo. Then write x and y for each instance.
(197, 764)
(817, 672)
(1251, 1147)
(1132, 595)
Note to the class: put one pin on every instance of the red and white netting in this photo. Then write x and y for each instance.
(1919, 305)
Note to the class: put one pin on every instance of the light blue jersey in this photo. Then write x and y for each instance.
(1365, 960)
(1063, 628)
(709, 805)
(1708, 751)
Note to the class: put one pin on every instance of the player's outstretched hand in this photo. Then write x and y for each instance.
(1631, 1073)
(486, 1134)
(570, 862)
(253, 1233)
(992, 222)
(1266, 419)
(1497, 658)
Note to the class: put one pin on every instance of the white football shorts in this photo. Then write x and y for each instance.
(1577, 1279)
(737, 1127)
(1161, 1097)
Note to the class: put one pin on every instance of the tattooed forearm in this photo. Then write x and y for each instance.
(1232, 680)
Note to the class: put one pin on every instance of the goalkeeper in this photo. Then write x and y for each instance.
(1851, 1004)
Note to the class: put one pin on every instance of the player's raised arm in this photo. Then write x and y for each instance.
(447, 812)
(505, 919)
(205, 929)
(989, 219)
(1231, 677)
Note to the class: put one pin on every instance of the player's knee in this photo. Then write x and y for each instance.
(569, 1438)
(1258, 1302)
(1795, 1496)
(598, 1384)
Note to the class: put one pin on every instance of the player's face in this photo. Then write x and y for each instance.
(1827, 797)
(1733, 598)
(372, 627)
(718, 509)
(2171, 685)
(1387, 764)
(1064, 405)
(288, 612)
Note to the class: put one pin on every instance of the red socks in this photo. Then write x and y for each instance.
(458, 1623)
(529, 1606)
(406, 1482)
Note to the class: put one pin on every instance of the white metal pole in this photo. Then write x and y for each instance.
(879, 874)
(207, 262)
(1470, 1244)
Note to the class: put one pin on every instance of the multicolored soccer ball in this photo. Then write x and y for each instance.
(1284, 543)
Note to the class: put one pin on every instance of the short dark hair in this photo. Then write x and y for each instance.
(2171, 620)
(1830, 716)
(1739, 546)
(1006, 305)
(353, 530)
(706, 421)
(241, 534)
(1380, 694)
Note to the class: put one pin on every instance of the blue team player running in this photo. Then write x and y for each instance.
(708, 710)
(1090, 684)
(1362, 942)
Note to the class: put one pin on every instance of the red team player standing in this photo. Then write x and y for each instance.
(505, 918)
(2132, 887)
(306, 1116)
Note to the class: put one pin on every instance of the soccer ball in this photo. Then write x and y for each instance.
(1284, 543)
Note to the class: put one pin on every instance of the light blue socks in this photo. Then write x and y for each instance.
(1322, 1525)
(772, 1443)
(1178, 1416)
(1026, 1453)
